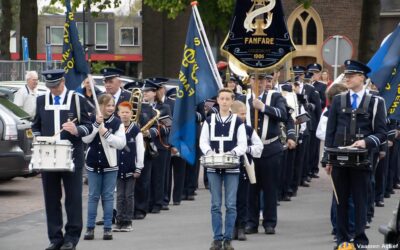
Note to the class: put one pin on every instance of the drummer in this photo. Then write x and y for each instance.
(356, 119)
(55, 111)
(228, 136)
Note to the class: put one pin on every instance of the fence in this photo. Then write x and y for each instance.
(16, 70)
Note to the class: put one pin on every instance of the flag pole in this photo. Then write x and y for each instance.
(206, 44)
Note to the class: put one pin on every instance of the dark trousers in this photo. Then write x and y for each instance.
(142, 188)
(396, 162)
(159, 165)
(191, 178)
(371, 188)
(242, 200)
(179, 170)
(282, 174)
(267, 175)
(306, 150)
(125, 199)
(380, 177)
(313, 161)
(72, 182)
(298, 165)
(352, 182)
(167, 181)
(288, 177)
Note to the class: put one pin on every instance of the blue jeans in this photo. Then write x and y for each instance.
(230, 182)
(101, 185)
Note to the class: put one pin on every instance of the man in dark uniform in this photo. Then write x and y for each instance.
(56, 111)
(315, 68)
(112, 83)
(356, 119)
(271, 107)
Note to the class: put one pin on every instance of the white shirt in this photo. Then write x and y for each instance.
(116, 95)
(360, 95)
(25, 98)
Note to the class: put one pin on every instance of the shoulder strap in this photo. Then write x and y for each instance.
(374, 110)
(343, 101)
(78, 107)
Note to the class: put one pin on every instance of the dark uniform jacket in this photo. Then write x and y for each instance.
(312, 106)
(321, 89)
(372, 130)
(127, 156)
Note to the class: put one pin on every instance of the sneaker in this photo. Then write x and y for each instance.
(127, 226)
(117, 227)
(228, 245)
(216, 245)
(107, 234)
(89, 235)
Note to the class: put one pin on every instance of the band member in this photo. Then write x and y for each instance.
(112, 83)
(271, 108)
(356, 119)
(130, 166)
(55, 111)
(107, 136)
(223, 133)
(232, 84)
(254, 149)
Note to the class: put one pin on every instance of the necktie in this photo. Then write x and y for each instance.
(57, 100)
(354, 102)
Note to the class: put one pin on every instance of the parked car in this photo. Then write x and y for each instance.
(15, 137)
(391, 231)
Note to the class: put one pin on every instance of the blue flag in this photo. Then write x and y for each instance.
(198, 82)
(73, 57)
(385, 72)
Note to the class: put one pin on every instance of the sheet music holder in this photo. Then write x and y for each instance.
(305, 117)
(166, 120)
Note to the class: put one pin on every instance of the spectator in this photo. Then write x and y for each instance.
(25, 97)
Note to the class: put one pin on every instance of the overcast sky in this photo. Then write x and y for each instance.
(124, 5)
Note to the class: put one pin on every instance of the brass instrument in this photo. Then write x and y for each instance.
(150, 123)
(136, 102)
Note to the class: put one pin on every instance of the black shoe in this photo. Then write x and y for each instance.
(67, 246)
(139, 216)
(164, 207)
(228, 245)
(118, 226)
(54, 246)
(367, 225)
(294, 194)
(241, 234)
(100, 222)
(304, 184)
(89, 235)
(396, 186)
(216, 245)
(107, 235)
(155, 211)
(176, 203)
(190, 198)
(387, 195)
(379, 204)
(286, 198)
(314, 175)
(251, 230)
(308, 179)
(392, 192)
(269, 230)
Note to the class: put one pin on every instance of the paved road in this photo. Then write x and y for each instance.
(303, 222)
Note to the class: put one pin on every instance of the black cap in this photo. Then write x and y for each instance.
(53, 77)
(314, 67)
(352, 67)
(159, 80)
(109, 73)
(150, 85)
(298, 70)
(308, 75)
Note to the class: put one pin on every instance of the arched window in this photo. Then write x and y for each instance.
(304, 28)
(297, 33)
(311, 32)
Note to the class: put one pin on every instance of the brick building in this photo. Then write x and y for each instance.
(309, 28)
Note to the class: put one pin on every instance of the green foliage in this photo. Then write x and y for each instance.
(98, 65)
(306, 3)
(99, 4)
(51, 9)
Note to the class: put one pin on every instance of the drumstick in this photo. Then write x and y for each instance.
(59, 132)
(334, 189)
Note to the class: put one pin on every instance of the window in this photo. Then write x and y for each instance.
(55, 35)
(297, 33)
(128, 36)
(101, 36)
(79, 25)
(311, 32)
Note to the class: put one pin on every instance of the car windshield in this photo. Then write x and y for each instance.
(13, 108)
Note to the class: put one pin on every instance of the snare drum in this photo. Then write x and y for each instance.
(220, 161)
(51, 155)
(348, 157)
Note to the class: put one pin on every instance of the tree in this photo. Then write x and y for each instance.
(51, 9)
(5, 28)
(28, 19)
(99, 4)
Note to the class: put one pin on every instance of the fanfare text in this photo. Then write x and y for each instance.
(189, 64)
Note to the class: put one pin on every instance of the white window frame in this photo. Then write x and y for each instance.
(86, 31)
(133, 38)
(95, 36)
(50, 34)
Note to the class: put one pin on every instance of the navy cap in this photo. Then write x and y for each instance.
(287, 87)
(150, 85)
(262, 76)
(298, 70)
(308, 75)
(314, 67)
(159, 80)
(53, 77)
(133, 84)
(352, 67)
(171, 92)
(109, 73)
